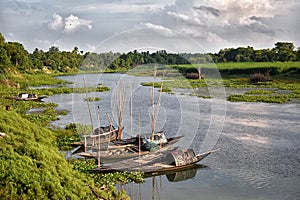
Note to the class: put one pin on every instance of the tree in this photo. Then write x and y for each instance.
(2, 39)
(37, 57)
(261, 55)
(4, 60)
(284, 51)
(298, 54)
(19, 57)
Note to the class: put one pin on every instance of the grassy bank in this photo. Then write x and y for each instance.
(32, 167)
(237, 68)
(281, 79)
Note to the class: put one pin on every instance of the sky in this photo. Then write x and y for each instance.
(173, 25)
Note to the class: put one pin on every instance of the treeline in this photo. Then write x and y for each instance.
(282, 52)
(13, 55)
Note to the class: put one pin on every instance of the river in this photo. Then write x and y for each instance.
(259, 143)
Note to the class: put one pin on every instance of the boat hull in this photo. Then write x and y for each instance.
(150, 164)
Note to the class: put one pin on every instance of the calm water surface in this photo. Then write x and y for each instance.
(259, 156)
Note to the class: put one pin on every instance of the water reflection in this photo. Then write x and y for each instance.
(157, 183)
(181, 176)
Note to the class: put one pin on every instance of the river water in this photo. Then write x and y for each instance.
(259, 143)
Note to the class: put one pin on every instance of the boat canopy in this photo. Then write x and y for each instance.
(181, 157)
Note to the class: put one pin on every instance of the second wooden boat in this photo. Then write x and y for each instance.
(157, 162)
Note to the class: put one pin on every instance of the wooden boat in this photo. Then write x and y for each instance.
(28, 97)
(128, 148)
(158, 162)
(159, 138)
(106, 134)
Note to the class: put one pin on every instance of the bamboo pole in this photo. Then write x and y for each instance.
(121, 101)
(152, 113)
(157, 105)
(110, 128)
(139, 135)
(86, 94)
(155, 110)
(130, 109)
(99, 140)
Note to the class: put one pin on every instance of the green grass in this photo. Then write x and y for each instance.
(35, 79)
(243, 65)
(260, 92)
(238, 68)
(67, 90)
(92, 99)
(255, 98)
(31, 166)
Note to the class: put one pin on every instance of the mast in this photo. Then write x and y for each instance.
(99, 141)
(152, 113)
(130, 109)
(139, 135)
(121, 99)
(86, 95)
(110, 128)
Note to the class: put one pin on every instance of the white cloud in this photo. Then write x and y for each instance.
(178, 16)
(204, 35)
(56, 23)
(125, 6)
(227, 22)
(234, 11)
(68, 24)
(159, 28)
(73, 22)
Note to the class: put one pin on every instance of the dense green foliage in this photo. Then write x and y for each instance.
(108, 180)
(32, 167)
